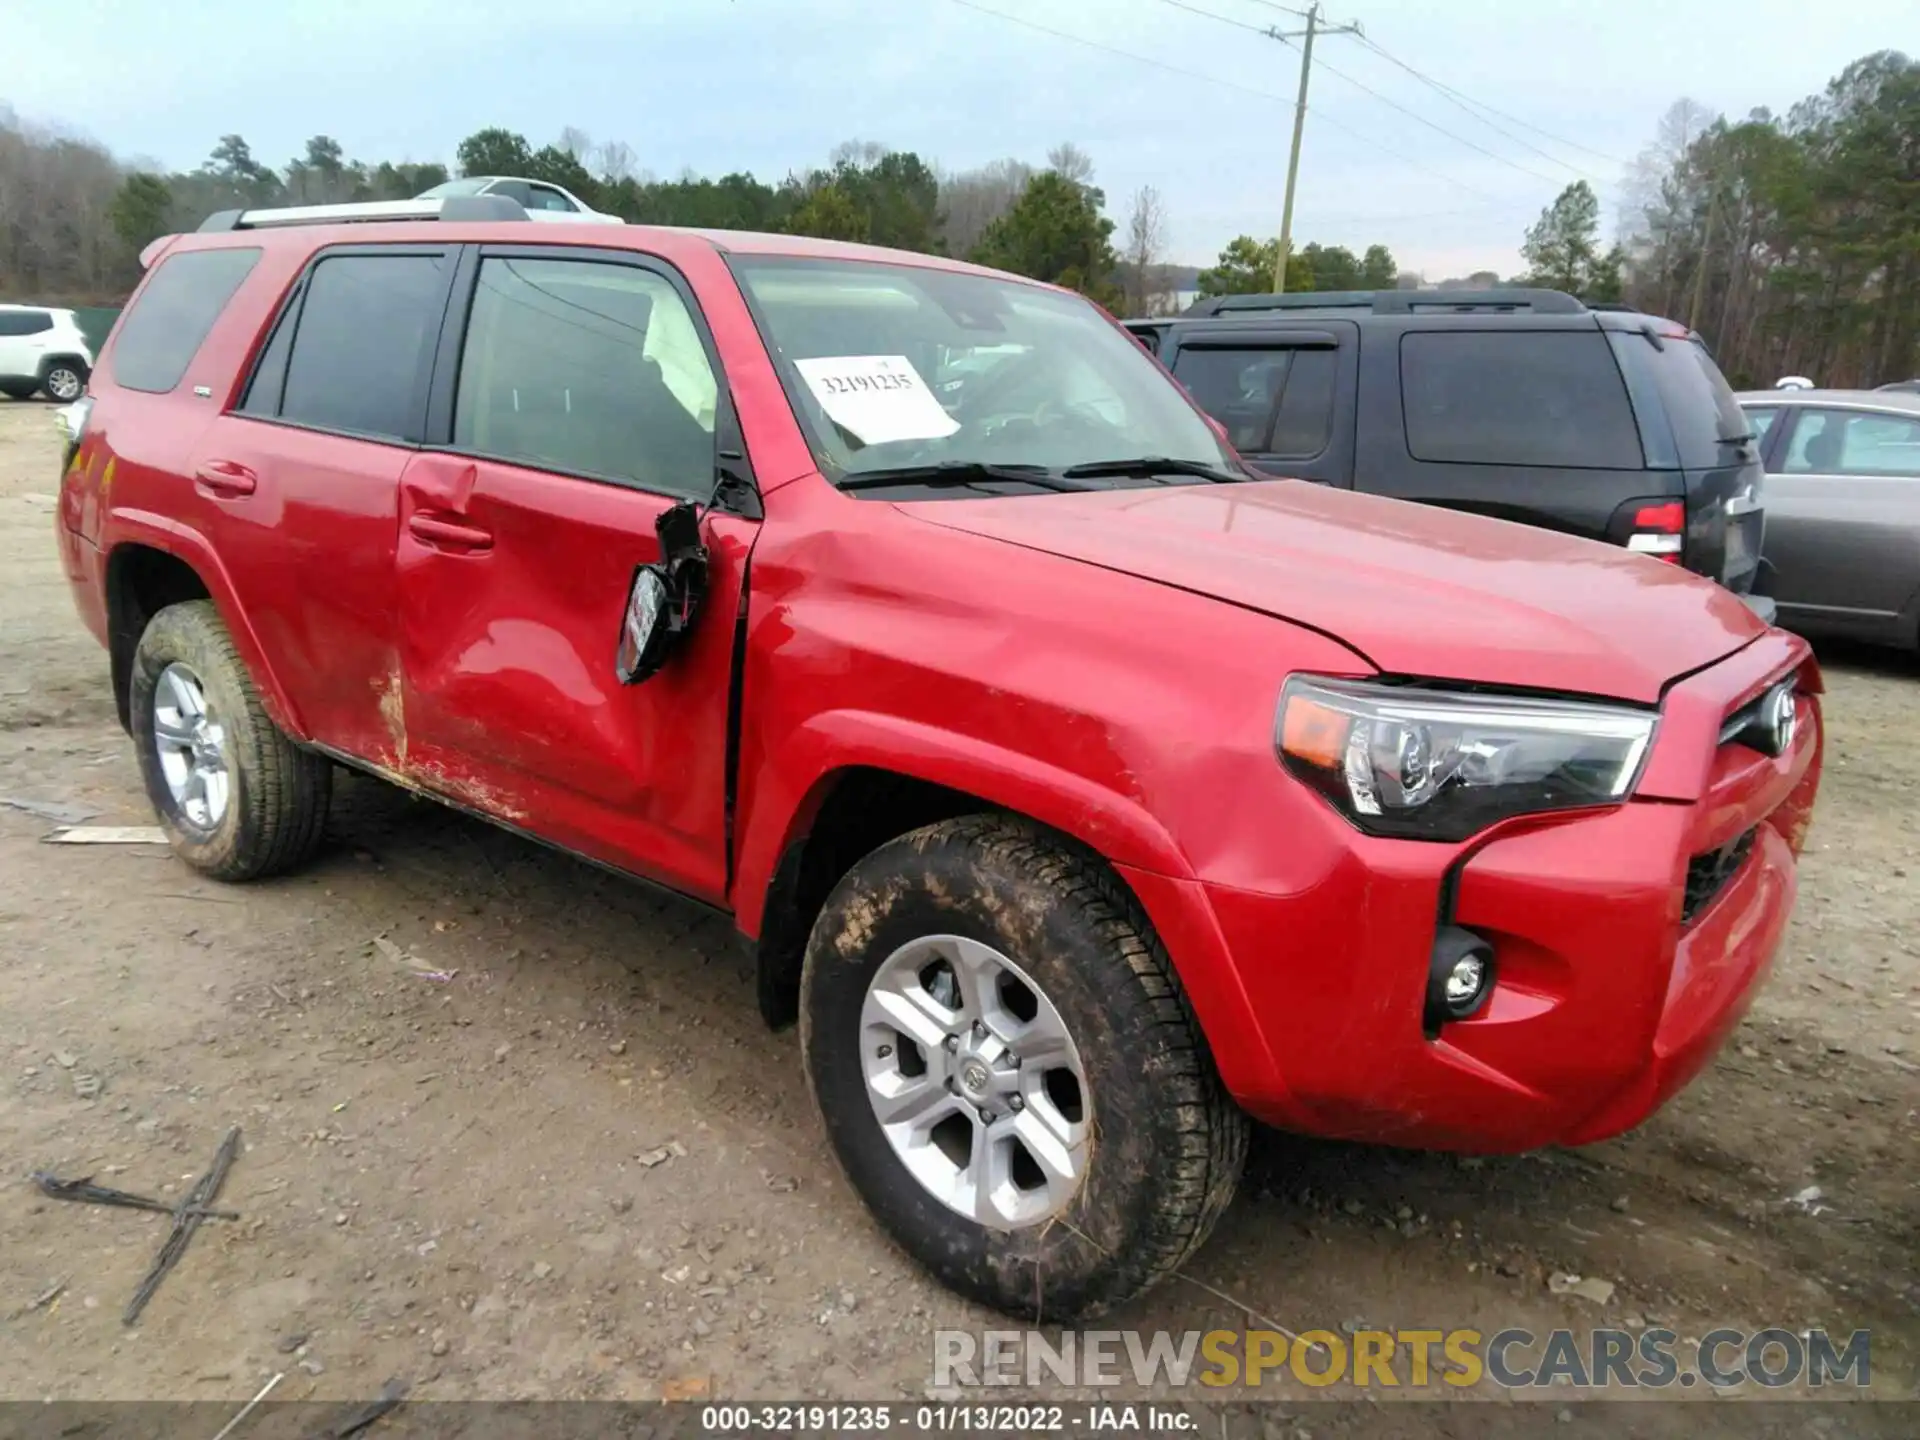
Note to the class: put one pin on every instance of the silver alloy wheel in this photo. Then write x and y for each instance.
(192, 746)
(975, 1081)
(64, 383)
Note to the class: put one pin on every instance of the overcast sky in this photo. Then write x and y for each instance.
(773, 85)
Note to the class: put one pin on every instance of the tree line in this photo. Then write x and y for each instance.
(73, 219)
(1791, 243)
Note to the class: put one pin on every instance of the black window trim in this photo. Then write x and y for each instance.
(740, 492)
(288, 312)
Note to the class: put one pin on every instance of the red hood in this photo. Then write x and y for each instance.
(1415, 589)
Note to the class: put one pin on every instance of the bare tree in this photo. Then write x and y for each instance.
(971, 200)
(1145, 244)
(1069, 160)
(614, 160)
(576, 142)
(57, 239)
(859, 153)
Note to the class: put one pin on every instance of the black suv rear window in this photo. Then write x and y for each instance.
(1545, 398)
(161, 333)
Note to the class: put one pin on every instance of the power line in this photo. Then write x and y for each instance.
(1470, 105)
(1115, 50)
(1283, 9)
(1225, 83)
(1386, 100)
(1224, 19)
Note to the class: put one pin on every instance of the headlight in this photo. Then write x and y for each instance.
(1444, 765)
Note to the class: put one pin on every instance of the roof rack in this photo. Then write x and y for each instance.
(469, 208)
(1396, 302)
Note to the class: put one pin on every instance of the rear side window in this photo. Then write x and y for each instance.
(1547, 398)
(1699, 403)
(24, 322)
(1239, 388)
(354, 361)
(160, 335)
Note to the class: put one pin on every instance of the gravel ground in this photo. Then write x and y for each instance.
(582, 1168)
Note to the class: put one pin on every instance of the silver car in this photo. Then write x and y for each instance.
(1842, 544)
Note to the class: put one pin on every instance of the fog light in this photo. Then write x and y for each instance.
(1459, 976)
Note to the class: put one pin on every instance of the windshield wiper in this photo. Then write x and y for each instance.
(960, 472)
(1151, 465)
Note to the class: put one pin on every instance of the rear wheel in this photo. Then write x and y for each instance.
(17, 389)
(1010, 1072)
(64, 381)
(236, 797)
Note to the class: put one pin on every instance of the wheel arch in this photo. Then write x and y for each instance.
(65, 357)
(848, 783)
(164, 564)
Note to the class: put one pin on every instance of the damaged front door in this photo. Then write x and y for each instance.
(585, 410)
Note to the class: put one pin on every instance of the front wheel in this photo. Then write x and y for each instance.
(1010, 1072)
(236, 797)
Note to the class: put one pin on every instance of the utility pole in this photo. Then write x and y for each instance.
(1299, 125)
(1700, 275)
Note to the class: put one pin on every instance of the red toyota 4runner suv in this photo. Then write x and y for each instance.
(1082, 793)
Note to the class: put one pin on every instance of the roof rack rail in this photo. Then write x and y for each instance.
(1396, 302)
(469, 208)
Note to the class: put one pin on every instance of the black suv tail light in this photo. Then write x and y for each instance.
(1659, 530)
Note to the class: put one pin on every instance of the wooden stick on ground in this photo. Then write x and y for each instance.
(186, 1219)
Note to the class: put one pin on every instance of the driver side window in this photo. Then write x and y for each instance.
(587, 368)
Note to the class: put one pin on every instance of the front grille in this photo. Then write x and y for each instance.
(1707, 875)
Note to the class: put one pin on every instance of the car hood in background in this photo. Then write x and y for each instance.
(1418, 591)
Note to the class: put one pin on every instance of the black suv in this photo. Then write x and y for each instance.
(1523, 404)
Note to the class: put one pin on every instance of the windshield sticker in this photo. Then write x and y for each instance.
(877, 398)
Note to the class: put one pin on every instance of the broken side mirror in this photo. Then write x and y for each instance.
(664, 597)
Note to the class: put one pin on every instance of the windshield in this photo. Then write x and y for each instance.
(895, 366)
(453, 187)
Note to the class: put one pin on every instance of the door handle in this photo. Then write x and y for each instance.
(225, 478)
(448, 534)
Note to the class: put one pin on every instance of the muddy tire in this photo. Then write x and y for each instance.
(235, 796)
(1057, 1139)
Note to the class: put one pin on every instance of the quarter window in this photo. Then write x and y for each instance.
(159, 336)
(589, 368)
(1544, 398)
(545, 197)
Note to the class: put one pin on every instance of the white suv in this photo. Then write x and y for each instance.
(539, 199)
(42, 349)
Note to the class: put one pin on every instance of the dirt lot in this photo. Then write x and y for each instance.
(462, 1181)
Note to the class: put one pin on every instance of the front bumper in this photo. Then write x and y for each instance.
(1607, 1001)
